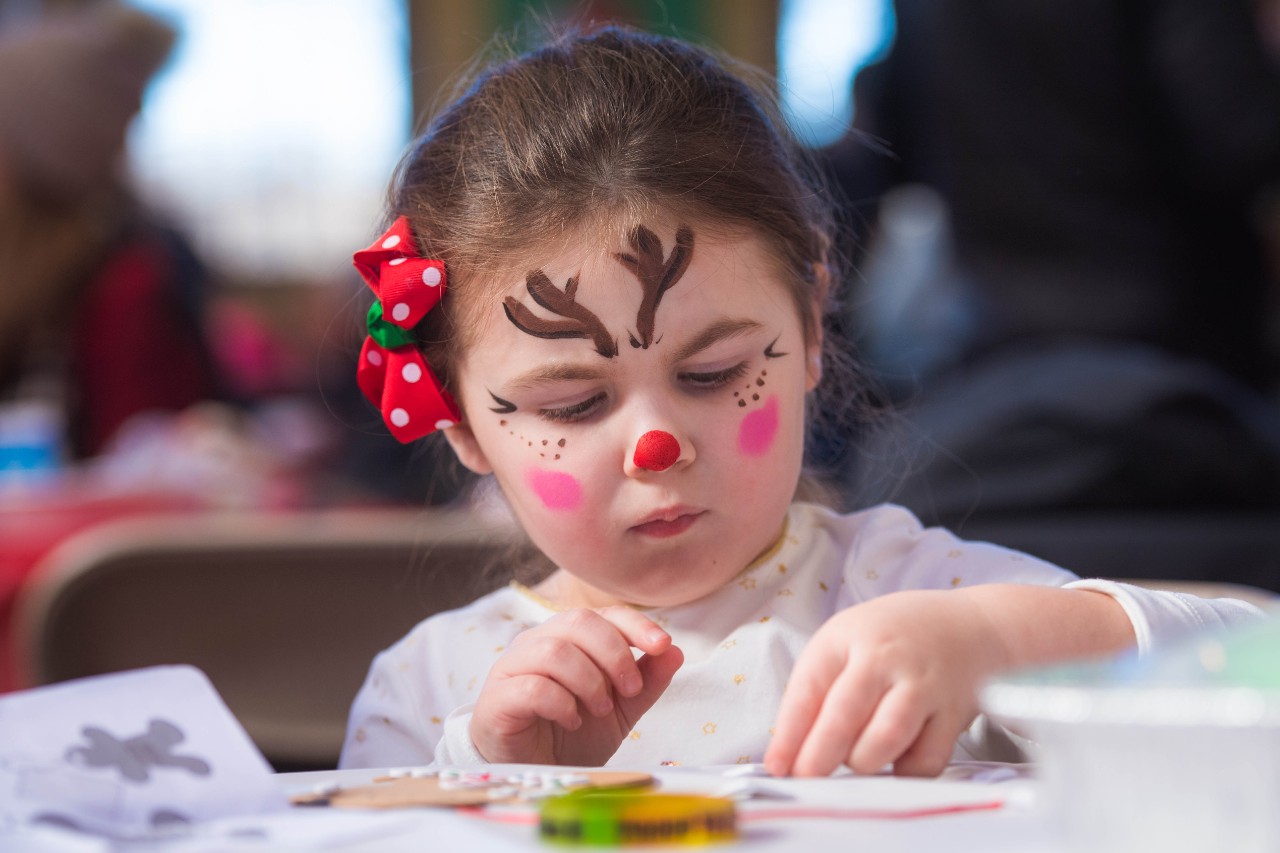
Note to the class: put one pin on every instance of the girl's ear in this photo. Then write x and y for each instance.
(813, 363)
(813, 349)
(464, 444)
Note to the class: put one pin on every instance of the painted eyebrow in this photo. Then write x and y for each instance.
(713, 334)
(553, 373)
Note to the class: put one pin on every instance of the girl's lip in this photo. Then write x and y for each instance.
(668, 522)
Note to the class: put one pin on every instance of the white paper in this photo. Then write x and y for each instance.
(128, 755)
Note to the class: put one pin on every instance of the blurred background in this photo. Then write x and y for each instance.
(1061, 231)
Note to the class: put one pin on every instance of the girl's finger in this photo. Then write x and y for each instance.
(657, 672)
(607, 637)
(564, 662)
(931, 751)
(849, 704)
(639, 630)
(810, 681)
(895, 725)
(524, 697)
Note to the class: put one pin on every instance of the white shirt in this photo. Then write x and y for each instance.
(739, 643)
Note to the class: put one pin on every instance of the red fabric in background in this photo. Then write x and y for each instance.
(137, 344)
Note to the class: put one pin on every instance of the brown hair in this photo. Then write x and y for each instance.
(609, 124)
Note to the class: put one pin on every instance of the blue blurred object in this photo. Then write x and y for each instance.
(30, 442)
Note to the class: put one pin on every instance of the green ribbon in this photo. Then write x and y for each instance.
(388, 335)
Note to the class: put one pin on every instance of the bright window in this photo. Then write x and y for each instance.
(272, 133)
(821, 46)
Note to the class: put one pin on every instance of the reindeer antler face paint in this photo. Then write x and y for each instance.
(656, 274)
(578, 322)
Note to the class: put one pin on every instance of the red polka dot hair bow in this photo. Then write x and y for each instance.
(392, 372)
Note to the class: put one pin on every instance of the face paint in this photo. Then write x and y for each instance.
(504, 407)
(573, 320)
(556, 490)
(758, 429)
(655, 273)
(656, 451)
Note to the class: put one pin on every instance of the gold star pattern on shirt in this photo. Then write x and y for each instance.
(872, 575)
(728, 644)
(709, 728)
(436, 720)
(739, 678)
(747, 583)
(955, 581)
(635, 735)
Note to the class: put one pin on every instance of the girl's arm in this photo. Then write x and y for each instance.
(895, 679)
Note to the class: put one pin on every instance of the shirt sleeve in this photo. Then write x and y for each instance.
(456, 747)
(889, 550)
(1161, 617)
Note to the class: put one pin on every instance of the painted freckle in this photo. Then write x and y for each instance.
(502, 423)
(755, 396)
(560, 443)
(759, 382)
(742, 402)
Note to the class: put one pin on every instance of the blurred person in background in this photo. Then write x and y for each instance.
(1058, 216)
(100, 306)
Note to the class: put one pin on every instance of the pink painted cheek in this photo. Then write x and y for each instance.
(758, 429)
(556, 490)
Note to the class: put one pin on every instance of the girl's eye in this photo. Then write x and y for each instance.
(714, 379)
(576, 412)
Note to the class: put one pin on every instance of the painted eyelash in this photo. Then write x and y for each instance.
(716, 379)
(576, 412)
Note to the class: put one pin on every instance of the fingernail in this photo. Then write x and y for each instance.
(631, 684)
(656, 636)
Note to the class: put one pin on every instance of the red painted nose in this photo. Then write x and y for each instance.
(656, 451)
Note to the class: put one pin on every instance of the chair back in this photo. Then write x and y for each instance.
(284, 613)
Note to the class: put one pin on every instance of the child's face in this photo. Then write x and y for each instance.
(557, 419)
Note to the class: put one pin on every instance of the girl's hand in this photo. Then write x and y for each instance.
(570, 690)
(891, 680)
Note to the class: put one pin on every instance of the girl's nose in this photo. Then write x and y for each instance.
(658, 450)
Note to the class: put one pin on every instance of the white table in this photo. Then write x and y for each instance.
(955, 813)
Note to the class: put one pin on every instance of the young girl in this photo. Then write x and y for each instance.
(636, 269)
